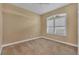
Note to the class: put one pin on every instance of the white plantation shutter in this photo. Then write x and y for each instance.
(57, 25)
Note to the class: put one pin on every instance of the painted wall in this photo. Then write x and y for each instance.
(78, 28)
(22, 24)
(0, 27)
(19, 24)
(71, 11)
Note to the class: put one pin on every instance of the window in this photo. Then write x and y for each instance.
(56, 24)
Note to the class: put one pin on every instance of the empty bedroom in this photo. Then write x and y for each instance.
(38, 29)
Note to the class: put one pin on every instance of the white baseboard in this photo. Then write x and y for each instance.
(9, 44)
(37, 38)
(70, 44)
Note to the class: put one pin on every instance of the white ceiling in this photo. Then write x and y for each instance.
(40, 8)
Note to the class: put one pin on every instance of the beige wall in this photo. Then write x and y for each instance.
(19, 24)
(0, 26)
(71, 11)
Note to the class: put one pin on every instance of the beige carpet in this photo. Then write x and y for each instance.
(39, 47)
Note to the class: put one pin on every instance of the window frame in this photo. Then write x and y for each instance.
(54, 23)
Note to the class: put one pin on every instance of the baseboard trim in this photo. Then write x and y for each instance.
(70, 44)
(9, 44)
